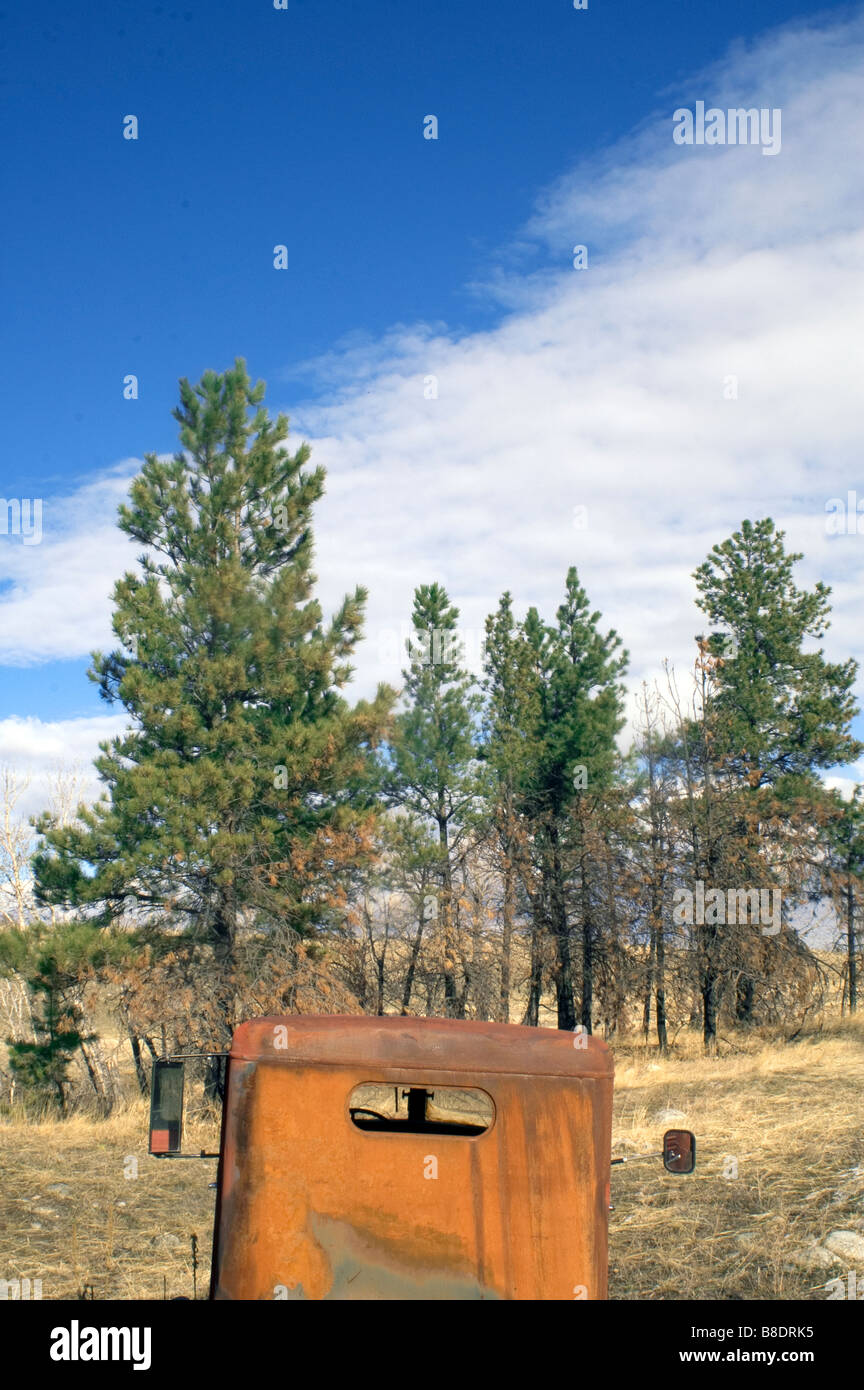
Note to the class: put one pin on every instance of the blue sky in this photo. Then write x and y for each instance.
(304, 127)
(408, 257)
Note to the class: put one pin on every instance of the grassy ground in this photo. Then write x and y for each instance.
(793, 1117)
(790, 1115)
(71, 1216)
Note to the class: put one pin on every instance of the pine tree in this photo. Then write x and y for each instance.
(774, 716)
(783, 713)
(57, 962)
(510, 729)
(578, 698)
(585, 714)
(242, 791)
(432, 767)
(845, 873)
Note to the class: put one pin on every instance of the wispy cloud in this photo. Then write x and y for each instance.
(605, 388)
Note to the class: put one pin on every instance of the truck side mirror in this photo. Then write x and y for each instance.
(166, 1108)
(679, 1151)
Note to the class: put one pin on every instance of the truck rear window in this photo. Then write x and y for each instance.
(420, 1109)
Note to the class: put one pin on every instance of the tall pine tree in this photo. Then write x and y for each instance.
(510, 729)
(584, 713)
(432, 767)
(774, 714)
(566, 685)
(241, 791)
(782, 712)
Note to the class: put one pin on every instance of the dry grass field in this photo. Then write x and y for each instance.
(70, 1216)
(790, 1115)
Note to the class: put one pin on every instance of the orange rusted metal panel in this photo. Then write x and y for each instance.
(312, 1207)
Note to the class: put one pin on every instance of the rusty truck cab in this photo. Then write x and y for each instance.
(402, 1158)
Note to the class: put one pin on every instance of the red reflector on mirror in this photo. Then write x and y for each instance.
(160, 1141)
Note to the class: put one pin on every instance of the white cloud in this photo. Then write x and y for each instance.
(57, 601)
(846, 785)
(38, 749)
(601, 388)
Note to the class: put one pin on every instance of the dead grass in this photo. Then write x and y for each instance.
(71, 1217)
(791, 1114)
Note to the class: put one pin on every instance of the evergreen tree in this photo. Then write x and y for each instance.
(585, 713)
(845, 866)
(241, 793)
(509, 750)
(56, 962)
(576, 711)
(432, 760)
(782, 712)
(42, 1066)
(773, 717)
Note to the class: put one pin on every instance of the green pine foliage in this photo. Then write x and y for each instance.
(431, 765)
(783, 711)
(55, 961)
(243, 789)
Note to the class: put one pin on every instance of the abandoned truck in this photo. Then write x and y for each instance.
(408, 1158)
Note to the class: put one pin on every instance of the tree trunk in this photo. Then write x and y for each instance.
(709, 1008)
(363, 979)
(379, 973)
(451, 1003)
(744, 996)
(412, 963)
(462, 1001)
(851, 946)
(140, 1073)
(649, 982)
(100, 1077)
(508, 914)
(587, 1011)
(660, 967)
(224, 931)
(531, 1018)
(662, 1035)
(561, 932)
